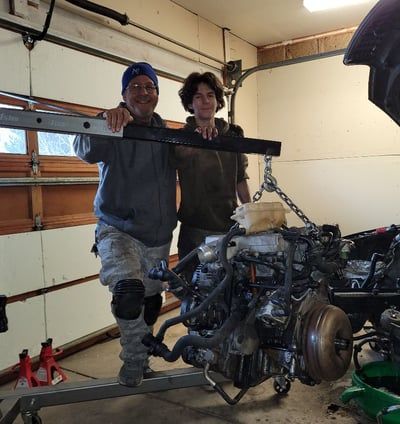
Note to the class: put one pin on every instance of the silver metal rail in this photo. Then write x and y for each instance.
(42, 121)
(29, 401)
(40, 181)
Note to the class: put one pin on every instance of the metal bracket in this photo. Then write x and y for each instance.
(38, 223)
(31, 400)
(233, 71)
(35, 163)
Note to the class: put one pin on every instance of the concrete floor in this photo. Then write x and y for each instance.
(303, 404)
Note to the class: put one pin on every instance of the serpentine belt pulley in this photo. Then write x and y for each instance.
(51, 122)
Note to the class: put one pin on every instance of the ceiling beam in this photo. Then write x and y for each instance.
(305, 46)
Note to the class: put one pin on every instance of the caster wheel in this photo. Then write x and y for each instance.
(31, 418)
(282, 386)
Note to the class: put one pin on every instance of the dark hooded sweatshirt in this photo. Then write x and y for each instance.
(208, 181)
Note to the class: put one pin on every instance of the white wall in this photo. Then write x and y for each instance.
(84, 79)
(36, 260)
(21, 263)
(26, 330)
(340, 153)
(14, 69)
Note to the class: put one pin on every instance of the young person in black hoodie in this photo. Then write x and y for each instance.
(210, 180)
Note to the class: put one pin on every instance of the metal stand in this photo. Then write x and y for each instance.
(29, 401)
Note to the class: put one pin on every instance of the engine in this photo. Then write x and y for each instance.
(281, 303)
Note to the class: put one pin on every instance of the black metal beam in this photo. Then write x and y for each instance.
(60, 123)
(229, 144)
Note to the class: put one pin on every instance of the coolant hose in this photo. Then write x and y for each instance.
(157, 348)
(368, 283)
(182, 263)
(289, 275)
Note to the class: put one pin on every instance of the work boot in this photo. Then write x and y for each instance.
(131, 374)
(133, 353)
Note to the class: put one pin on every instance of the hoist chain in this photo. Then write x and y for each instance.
(270, 185)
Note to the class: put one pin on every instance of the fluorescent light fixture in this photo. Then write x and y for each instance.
(317, 5)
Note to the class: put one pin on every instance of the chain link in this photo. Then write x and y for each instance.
(267, 176)
(270, 184)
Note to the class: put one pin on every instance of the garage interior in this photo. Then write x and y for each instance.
(338, 163)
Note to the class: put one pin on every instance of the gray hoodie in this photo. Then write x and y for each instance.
(137, 187)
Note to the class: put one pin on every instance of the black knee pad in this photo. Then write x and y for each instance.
(128, 297)
(152, 306)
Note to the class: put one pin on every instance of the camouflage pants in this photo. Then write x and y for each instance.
(123, 257)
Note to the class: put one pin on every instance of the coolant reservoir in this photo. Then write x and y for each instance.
(261, 216)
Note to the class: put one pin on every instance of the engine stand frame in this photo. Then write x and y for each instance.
(28, 402)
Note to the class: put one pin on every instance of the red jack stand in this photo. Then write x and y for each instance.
(26, 377)
(49, 372)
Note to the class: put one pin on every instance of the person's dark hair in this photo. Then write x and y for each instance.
(191, 83)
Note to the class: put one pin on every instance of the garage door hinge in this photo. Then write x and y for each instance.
(35, 162)
(38, 225)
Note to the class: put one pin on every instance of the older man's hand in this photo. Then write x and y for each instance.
(117, 118)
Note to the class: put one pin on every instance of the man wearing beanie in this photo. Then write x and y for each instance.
(136, 210)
